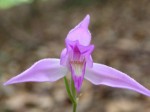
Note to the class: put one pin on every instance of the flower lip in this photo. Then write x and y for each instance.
(78, 56)
(76, 59)
(77, 69)
(77, 66)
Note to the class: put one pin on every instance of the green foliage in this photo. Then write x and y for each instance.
(5, 4)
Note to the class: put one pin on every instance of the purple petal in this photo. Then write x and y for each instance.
(73, 48)
(102, 74)
(85, 22)
(43, 70)
(77, 72)
(64, 58)
(76, 58)
(76, 46)
(81, 32)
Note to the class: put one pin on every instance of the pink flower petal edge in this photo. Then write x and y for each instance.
(81, 32)
(105, 75)
(44, 70)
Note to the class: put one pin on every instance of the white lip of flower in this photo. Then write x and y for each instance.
(77, 66)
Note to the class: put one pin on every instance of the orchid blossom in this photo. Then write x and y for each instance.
(76, 59)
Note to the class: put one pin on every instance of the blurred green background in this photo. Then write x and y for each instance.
(34, 29)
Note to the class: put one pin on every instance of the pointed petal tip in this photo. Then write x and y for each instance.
(9, 82)
(81, 32)
(104, 75)
(86, 21)
(41, 71)
(87, 17)
(6, 83)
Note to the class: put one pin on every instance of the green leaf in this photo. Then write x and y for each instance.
(5, 4)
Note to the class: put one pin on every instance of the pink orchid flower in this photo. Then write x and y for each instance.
(76, 59)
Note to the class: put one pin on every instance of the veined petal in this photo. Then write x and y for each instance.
(43, 70)
(102, 74)
(76, 58)
(77, 54)
(77, 69)
(75, 50)
(81, 32)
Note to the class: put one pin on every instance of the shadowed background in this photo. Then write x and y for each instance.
(32, 31)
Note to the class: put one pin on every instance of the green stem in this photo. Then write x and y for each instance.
(74, 107)
(68, 90)
(73, 90)
(71, 93)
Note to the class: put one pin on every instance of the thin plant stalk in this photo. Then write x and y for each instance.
(71, 93)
